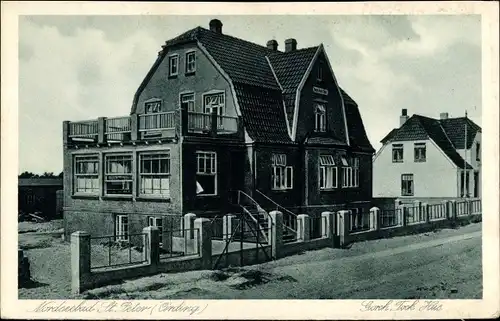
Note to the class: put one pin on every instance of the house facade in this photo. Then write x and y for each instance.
(426, 158)
(216, 115)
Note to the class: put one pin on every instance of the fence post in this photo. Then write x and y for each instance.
(80, 260)
(227, 226)
(189, 232)
(417, 210)
(425, 210)
(374, 216)
(303, 227)
(152, 234)
(469, 207)
(343, 221)
(453, 209)
(276, 235)
(446, 209)
(327, 224)
(203, 241)
(402, 215)
(134, 126)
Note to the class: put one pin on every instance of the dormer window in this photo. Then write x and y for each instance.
(320, 118)
(152, 107)
(319, 76)
(173, 65)
(190, 62)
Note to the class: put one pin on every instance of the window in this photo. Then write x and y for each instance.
(152, 106)
(173, 65)
(407, 187)
(118, 176)
(282, 175)
(154, 174)
(187, 102)
(478, 152)
(190, 62)
(206, 173)
(420, 151)
(397, 153)
(319, 76)
(327, 172)
(212, 102)
(350, 172)
(86, 178)
(320, 118)
(121, 228)
(157, 222)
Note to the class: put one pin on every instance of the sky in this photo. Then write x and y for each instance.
(83, 67)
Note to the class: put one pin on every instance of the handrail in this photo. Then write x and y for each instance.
(255, 203)
(277, 205)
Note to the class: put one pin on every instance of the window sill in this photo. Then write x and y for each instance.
(190, 73)
(152, 199)
(207, 195)
(117, 197)
(420, 161)
(329, 189)
(83, 196)
(172, 76)
(281, 190)
(397, 161)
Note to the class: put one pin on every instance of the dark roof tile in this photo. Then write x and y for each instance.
(455, 129)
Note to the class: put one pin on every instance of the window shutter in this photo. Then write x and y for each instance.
(289, 177)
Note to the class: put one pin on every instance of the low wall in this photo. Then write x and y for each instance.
(300, 246)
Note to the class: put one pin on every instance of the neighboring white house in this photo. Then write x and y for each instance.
(424, 158)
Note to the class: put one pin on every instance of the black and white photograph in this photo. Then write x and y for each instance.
(177, 158)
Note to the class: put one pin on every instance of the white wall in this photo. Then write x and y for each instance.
(437, 177)
(471, 153)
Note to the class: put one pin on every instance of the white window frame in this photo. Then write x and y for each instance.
(404, 192)
(320, 118)
(153, 157)
(89, 178)
(397, 147)
(190, 102)
(108, 175)
(419, 156)
(122, 232)
(329, 171)
(190, 54)
(211, 157)
(208, 106)
(282, 175)
(155, 102)
(350, 172)
(170, 65)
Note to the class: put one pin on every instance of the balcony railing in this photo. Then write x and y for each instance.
(118, 128)
(84, 129)
(137, 127)
(202, 122)
(157, 121)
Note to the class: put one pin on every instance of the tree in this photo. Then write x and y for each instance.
(27, 174)
(48, 174)
(61, 174)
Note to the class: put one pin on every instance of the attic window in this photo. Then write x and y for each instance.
(190, 62)
(173, 65)
(397, 153)
(319, 76)
(320, 118)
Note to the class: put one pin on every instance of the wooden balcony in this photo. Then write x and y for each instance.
(136, 128)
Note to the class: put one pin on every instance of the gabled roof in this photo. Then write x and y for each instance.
(290, 68)
(420, 127)
(265, 82)
(455, 129)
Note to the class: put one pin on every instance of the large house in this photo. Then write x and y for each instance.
(213, 116)
(427, 158)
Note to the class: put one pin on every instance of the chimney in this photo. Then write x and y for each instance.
(215, 25)
(443, 116)
(272, 44)
(404, 117)
(290, 45)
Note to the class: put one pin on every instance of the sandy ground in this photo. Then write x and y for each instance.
(442, 264)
